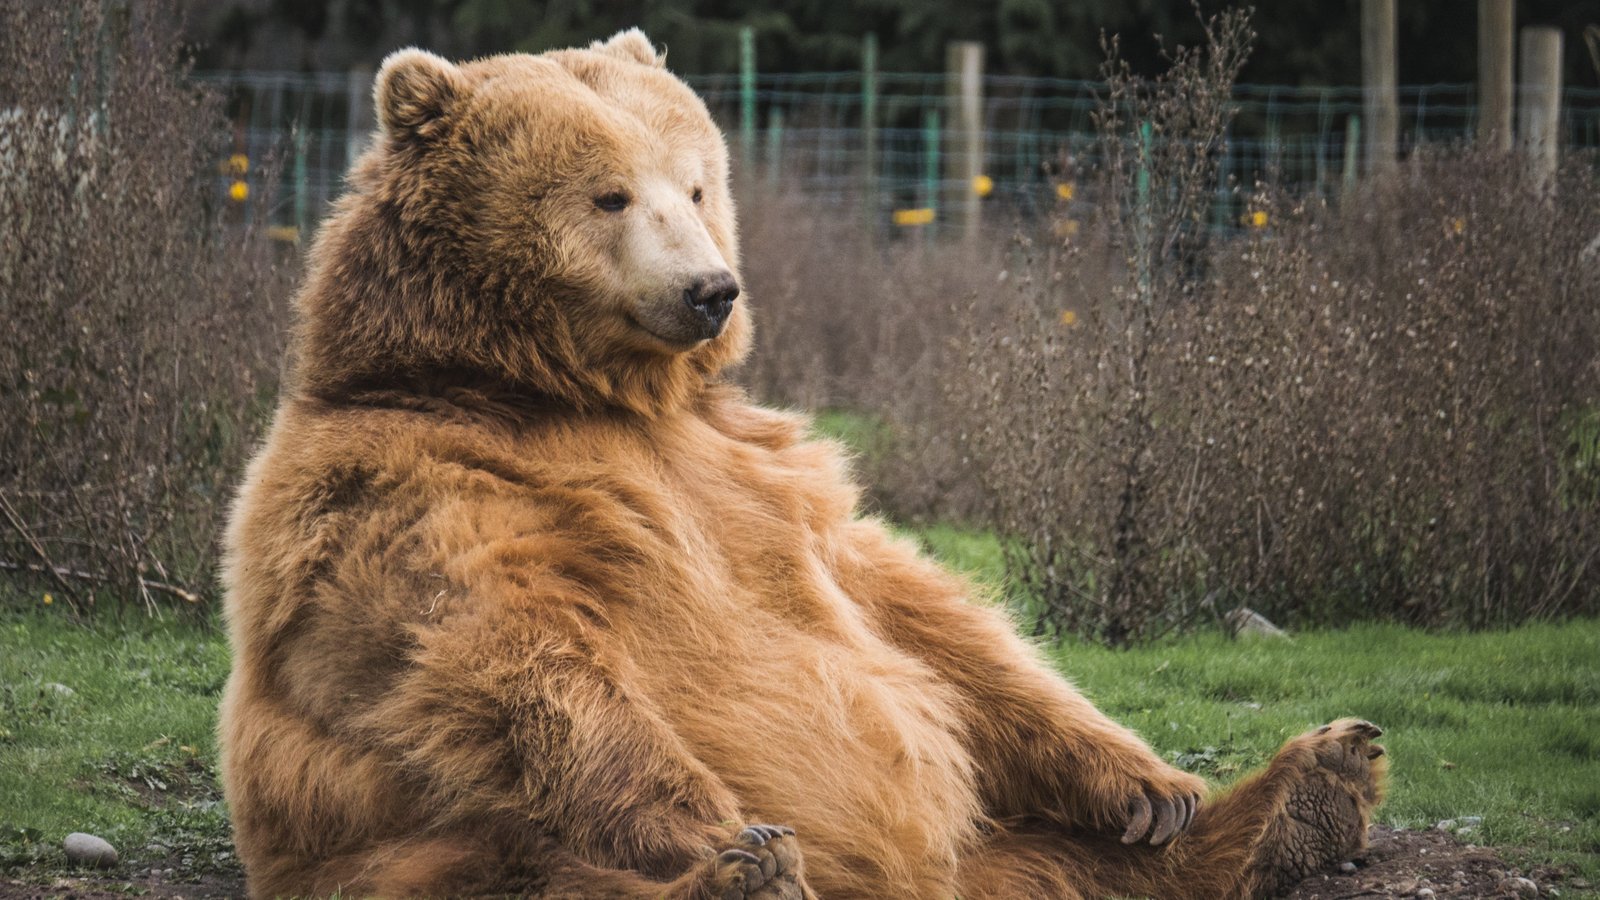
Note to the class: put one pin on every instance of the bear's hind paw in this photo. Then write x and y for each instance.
(763, 863)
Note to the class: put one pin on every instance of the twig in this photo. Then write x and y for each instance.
(48, 566)
(61, 574)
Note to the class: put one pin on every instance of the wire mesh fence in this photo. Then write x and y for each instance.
(878, 142)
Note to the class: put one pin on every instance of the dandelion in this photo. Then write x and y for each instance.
(48, 599)
(1069, 318)
(1064, 190)
(239, 192)
(982, 185)
(1256, 218)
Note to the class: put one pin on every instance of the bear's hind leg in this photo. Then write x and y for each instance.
(762, 862)
(1322, 788)
(1308, 809)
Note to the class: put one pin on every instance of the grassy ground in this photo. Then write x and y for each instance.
(1505, 726)
(110, 731)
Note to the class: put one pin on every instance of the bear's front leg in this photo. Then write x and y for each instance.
(515, 719)
(1043, 750)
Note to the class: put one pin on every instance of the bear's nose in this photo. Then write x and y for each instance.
(712, 296)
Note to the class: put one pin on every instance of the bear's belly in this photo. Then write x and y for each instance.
(814, 722)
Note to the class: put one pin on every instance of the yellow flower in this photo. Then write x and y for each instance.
(239, 191)
(982, 185)
(48, 599)
(1257, 218)
(913, 216)
(1458, 225)
(238, 164)
(1066, 228)
(1069, 318)
(1064, 190)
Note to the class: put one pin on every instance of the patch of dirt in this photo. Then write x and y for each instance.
(1400, 863)
(154, 882)
(1404, 863)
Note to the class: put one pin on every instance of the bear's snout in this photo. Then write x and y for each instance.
(712, 296)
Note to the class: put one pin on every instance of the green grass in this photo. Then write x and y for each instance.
(126, 751)
(1501, 725)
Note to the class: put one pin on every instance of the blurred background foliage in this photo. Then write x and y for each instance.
(1298, 43)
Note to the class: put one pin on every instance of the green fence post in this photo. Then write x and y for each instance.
(869, 125)
(1352, 152)
(1220, 205)
(747, 93)
(774, 144)
(1142, 227)
(302, 206)
(930, 158)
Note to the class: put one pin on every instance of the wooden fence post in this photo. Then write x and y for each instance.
(774, 145)
(1381, 94)
(1496, 26)
(964, 163)
(358, 90)
(1539, 102)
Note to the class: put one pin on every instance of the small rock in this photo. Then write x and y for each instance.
(59, 689)
(1347, 867)
(88, 850)
(1246, 621)
(1424, 893)
(1518, 886)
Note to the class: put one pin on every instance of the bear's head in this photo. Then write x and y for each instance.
(559, 225)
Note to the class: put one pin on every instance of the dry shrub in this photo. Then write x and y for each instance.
(1387, 407)
(144, 328)
(866, 322)
(1405, 401)
(1079, 416)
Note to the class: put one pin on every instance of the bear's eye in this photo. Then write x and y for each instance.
(616, 201)
(698, 195)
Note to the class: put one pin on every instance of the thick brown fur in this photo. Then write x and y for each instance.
(524, 600)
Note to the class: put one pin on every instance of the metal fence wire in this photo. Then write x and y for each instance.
(810, 131)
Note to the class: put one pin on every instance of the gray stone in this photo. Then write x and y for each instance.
(88, 850)
(59, 689)
(1245, 621)
(1517, 886)
(1347, 867)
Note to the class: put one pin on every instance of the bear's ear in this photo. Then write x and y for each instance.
(413, 89)
(633, 46)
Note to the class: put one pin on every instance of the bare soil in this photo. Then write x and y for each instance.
(1400, 863)
(1404, 863)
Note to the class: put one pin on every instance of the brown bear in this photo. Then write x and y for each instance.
(524, 599)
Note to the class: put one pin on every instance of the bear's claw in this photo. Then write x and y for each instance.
(763, 864)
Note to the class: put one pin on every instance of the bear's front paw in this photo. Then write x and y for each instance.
(1160, 806)
(762, 863)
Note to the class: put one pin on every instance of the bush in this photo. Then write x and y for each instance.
(1077, 395)
(144, 322)
(865, 322)
(1405, 393)
(1384, 405)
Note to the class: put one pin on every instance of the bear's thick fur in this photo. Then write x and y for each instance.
(524, 600)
